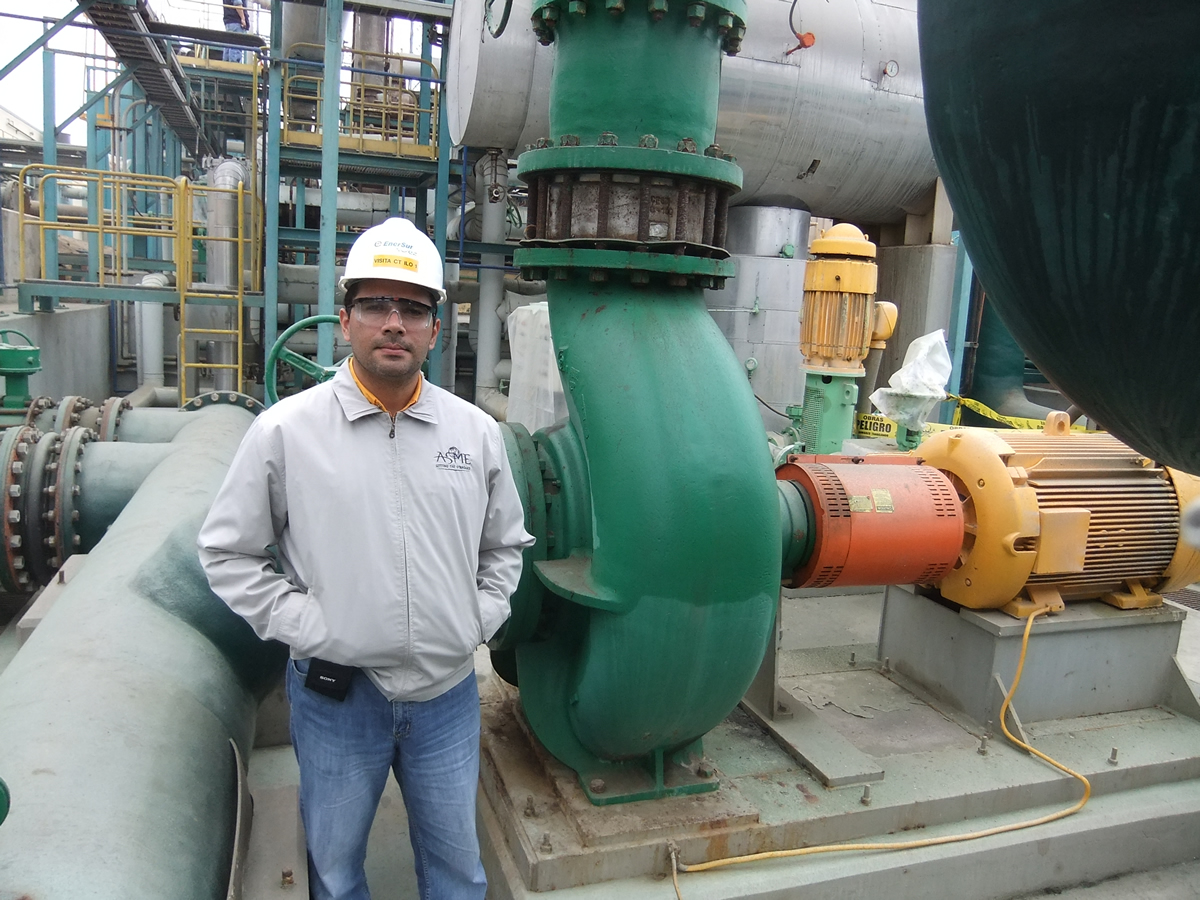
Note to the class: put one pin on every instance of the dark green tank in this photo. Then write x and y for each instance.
(1068, 135)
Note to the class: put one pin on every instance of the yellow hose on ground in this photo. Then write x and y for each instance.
(925, 842)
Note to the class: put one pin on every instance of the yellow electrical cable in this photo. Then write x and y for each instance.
(928, 842)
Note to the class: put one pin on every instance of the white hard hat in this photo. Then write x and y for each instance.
(395, 250)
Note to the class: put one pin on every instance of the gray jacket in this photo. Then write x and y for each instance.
(399, 554)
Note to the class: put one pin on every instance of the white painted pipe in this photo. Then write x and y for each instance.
(223, 266)
(491, 193)
(150, 334)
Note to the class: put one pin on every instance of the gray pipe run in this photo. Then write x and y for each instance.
(491, 188)
(222, 272)
(135, 684)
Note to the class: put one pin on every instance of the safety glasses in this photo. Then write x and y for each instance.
(377, 311)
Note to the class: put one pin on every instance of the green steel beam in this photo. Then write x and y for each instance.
(50, 158)
(326, 286)
(115, 84)
(45, 293)
(46, 35)
(270, 320)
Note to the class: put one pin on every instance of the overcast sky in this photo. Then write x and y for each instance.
(21, 92)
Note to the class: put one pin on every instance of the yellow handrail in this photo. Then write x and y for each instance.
(380, 111)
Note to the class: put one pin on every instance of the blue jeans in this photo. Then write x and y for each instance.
(345, 750)
(229, 54)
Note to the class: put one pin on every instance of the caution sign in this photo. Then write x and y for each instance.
(391, 261)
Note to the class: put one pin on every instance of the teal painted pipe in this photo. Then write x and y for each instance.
(116, 716)
(110, 475)
(685, 516)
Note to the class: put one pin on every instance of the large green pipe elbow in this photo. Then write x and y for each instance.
(118, 713)
(677, 600)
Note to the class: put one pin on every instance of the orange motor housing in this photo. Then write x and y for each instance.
(884, 521)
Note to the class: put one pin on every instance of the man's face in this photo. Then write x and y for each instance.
(395, 349)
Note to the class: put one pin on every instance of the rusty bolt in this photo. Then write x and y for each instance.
(658, 9)
(724, 23)
(597, 786)
(648, 141)
(616, 7)
(22, 449)
(598, 276)
(713, 150)
(705, 769)
(639, 278)
(543, 143)
(549, 14)
(695, 13)
(287, 879)
(687, 145)
(677, 280)
(546, 846)
(530, 809)
(569, 140)
(577, 7)
(607, 139)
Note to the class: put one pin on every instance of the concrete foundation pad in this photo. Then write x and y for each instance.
(541, 833)
(1113, 835)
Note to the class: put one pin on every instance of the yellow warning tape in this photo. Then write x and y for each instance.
(873, 425)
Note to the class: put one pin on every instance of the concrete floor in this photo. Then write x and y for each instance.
(849, 624)
(276, 868)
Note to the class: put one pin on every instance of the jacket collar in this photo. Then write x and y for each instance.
(355, 405)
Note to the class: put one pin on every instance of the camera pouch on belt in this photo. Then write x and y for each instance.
(328, 678)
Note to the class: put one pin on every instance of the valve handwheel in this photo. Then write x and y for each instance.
(280, 353)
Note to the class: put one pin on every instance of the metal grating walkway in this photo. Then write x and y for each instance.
(126, 27)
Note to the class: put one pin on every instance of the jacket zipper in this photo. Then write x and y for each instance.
(392, 433)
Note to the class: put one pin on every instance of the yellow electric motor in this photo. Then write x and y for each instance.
(1058, 515)
(841, 320)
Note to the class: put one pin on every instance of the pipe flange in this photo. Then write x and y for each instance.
(36, 407)
(14, 451)
(37, 505)
(226, 398)
(66, 539)
(110, 418)
(70, 410)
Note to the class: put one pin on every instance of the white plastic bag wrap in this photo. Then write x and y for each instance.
(535, 393)
(919, 384)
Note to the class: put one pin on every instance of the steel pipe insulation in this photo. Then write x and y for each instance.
(837, 128)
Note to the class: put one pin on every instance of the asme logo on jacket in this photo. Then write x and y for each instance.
(453, 459)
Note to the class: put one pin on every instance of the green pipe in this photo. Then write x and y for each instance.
(110, 475)
(999, 381)
(118, 713)
(152, 426)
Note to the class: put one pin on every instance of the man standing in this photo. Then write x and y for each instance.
(235, 21)
(399, 532)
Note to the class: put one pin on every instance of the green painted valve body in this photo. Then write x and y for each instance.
(648, 601)
(17, 363)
